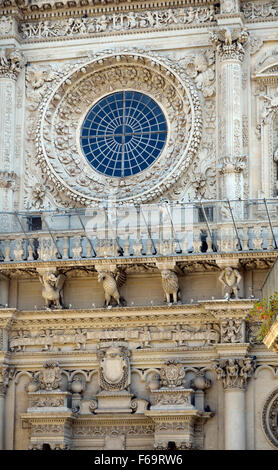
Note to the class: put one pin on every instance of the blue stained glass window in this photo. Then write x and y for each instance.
(123, 133)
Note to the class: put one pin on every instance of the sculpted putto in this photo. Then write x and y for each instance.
(170, 284)
(230, 278)
(111, 283)
(52, 290)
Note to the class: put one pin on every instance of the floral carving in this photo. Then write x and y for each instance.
(50, 376)
(11, 63)
(172, 374)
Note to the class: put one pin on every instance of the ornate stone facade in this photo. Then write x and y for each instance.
(125, 301)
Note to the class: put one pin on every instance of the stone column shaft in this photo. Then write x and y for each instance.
(2, 418)
(235, 428)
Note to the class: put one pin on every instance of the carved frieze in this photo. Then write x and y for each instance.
(112, 23)
(232, 331)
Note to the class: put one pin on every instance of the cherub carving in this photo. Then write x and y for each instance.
(52, 290)
(170, 284)
(230, 278)
(111, 283)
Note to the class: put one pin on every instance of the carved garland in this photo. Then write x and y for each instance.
(62, 114)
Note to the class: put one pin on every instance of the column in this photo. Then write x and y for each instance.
(4, 381)
(230, 50)
(11, 63)
(234, 373)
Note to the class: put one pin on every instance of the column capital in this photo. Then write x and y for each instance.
(6, 374)
(11, 63)
(230, 43)
(234, 372)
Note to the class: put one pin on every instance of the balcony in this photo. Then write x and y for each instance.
(108, 231)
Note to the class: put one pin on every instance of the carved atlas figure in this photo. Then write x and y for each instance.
(111, 283)
(230, 278)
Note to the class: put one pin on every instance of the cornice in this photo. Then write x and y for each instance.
(242, 256)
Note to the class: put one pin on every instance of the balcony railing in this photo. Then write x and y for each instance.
(163, 229)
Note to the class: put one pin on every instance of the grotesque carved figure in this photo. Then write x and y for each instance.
(52, 283)
(170, 284)
(111, 283)
(230, 278)
(114, 370)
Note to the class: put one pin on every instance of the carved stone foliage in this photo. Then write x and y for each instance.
(6, 375)
(11, 63)
(201, 68)
(128, 21)
(62, 112)
(52, 283)
(230, 43)
(102, 430)
(164, 398)
(269, 418)
(114, 368)
(235, 372)
(50, 376)
(172, 374)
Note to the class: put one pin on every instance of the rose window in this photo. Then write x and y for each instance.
(123, 134)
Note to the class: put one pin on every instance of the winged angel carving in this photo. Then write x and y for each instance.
(111, 283)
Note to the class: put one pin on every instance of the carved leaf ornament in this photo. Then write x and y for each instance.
(62, 113)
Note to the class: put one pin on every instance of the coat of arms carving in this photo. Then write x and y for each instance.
(114, 369)
(172, 374)
(50, 376)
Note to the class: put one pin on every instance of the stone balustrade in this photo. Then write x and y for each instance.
(74, 244)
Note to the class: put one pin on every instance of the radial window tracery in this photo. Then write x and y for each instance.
(123, 133)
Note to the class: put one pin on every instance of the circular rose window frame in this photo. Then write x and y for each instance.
(61, 157)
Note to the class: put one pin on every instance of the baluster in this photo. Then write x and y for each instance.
(89, 250)
(7, 250)
(245, 239)
(18, 249)
(270, 241)
(196, 241)
(77, 247)
(137, 247)
(149, 247)
(257, 240)
(30, 249)
(126, 247)
(65, 248)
